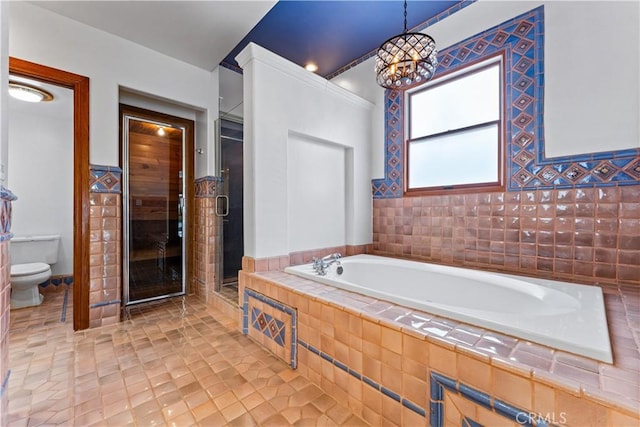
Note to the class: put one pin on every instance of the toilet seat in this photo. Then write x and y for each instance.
(28, 269)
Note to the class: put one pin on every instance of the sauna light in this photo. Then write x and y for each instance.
(161, 131)
(406, 60)
(28, 93)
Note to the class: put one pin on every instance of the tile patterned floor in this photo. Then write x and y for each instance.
(177, 363)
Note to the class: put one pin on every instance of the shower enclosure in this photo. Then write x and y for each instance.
(229, 204)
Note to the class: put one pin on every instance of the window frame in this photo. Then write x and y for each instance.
(460, 72)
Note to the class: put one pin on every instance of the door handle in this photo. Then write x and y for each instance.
(224, 205)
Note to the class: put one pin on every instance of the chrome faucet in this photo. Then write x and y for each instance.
(320, 265)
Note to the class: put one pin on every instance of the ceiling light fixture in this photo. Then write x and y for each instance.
(25, 92)
(406, 60)
(161, 131)
(310, 66)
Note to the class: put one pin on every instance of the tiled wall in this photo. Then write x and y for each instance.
(6, 197)
(206, 237)
(105, 218)
(275, 263)
(572, 218)
(587, 235)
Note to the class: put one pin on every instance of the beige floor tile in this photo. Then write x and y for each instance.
(176, 363)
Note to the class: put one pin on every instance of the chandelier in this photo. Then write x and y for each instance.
(406, 60)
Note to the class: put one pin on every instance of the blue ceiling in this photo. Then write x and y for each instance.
(334, 33)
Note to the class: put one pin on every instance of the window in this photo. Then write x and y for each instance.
(455, 130)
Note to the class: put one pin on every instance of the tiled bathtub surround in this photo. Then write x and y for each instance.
(381, 359)
(583, 235)
(206, 237)
(6, 197)
(105, 218)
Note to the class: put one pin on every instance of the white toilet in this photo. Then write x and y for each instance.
(31, 259)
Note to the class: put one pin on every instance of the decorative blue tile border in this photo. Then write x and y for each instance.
(522, 41)
(104, 303)
(63, 316)
(5, 384)
(270, 333)
(207, 186)
(438, 384)
(6, 197)
(105, 179)
(57, 281)
(371, 383)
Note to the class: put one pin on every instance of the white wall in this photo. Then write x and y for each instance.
(40, 153)
(112, 62)
(316, 199)
(4, 79)
(285, 104)
(592, 89)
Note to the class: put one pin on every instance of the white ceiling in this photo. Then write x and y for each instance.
(200, 33)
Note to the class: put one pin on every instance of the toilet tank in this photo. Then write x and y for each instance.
(25, 249)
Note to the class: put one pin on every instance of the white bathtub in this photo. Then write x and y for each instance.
(560, 315)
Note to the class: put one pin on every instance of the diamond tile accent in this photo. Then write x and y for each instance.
(523, 101)
(105, 179)
(634, 169)
(499, 38)
(574, 173)
(605, 170)
(548, 174)
(206, 187)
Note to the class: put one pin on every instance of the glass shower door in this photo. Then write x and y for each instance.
(229, 205)
(153, 210)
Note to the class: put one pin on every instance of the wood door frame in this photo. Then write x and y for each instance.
(80, 86)
(189, 150)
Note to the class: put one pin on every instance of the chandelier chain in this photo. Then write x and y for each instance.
(405, 16)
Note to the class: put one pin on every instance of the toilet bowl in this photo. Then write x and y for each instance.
(25, 279)
(30, 265)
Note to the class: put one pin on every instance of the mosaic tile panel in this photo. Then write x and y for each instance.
(522, 41)
(207, 186)
(105, 179)
(271, 319)
(272, 328)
